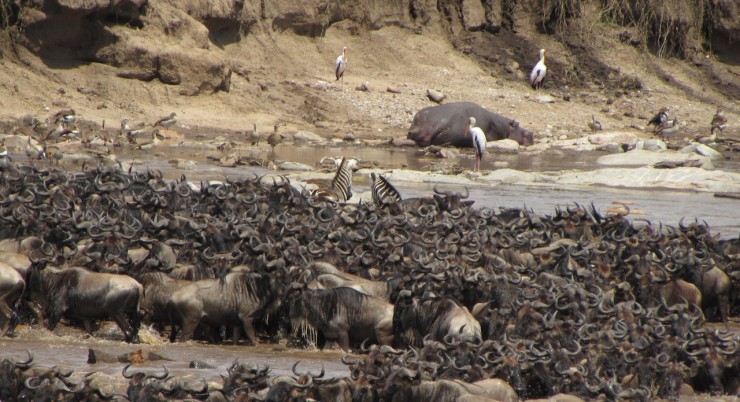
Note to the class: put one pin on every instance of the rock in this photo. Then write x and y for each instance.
(393, 90)
(611, 148)
(651, 145)
(308, 136)
(641, 157)
(545, 99)
(507, 145)
(435, 96)
(363, 87)
(402, 142)
(184, 164)
(702, 150)
(677, 164)
(200, 364)
(473, 14)
(510, 176)
(618, 137)
(511, 66)
(295, 166)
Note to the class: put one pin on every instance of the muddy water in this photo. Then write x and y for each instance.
(664, 206)
(68, 347)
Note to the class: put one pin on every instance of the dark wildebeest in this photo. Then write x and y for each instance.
(404, 386)
(340, 314)
(79, 293)
(414, 319)
(158, 288)
(329, 277)
(11, 290)
(233, 300)
(447, 124)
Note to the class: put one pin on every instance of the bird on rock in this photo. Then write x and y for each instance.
(275, 139)
(253, 137)
(660, 118)
(341, 65)
(479, 141)
(719, 121)
(668, 128)
(594, 124)
(167, 120)
(5, 160)
(537, 76)
(153, 142)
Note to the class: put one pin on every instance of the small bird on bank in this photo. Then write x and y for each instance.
(34, 151)
(719, 121)
(253, 137)
(341, 65)
(594, 124)
(479, 141)
(5, 159)
(153, 142)
(53, 153)
(275, 139)
(67, 116)
(668, 128)
(537, 76)
(167, 120)
(660, 118)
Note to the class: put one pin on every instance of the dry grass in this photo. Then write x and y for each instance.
(666, 27)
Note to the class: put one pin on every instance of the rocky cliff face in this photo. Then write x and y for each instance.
(179, 42)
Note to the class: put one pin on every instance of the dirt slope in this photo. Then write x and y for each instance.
(228, 64)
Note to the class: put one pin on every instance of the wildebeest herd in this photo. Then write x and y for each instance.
(446, 301)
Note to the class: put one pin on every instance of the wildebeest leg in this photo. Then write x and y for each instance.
(344, 340)
(89, 328)
(188, 327)
(236, 333)
(248, 330)
(13, 322)
(128, 332)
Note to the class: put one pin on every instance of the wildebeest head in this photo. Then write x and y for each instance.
(10, 376)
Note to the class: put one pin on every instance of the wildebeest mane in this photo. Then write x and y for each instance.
(250, 284)
(59, 282)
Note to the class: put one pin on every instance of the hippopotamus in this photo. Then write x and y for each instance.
(446, 125)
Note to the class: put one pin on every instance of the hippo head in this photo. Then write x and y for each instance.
(520, 135)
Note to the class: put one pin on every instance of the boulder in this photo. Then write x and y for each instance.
(702, 150)
(473, 14)
(641, 157)
(507, 145)
(617, 137)
(307, 136)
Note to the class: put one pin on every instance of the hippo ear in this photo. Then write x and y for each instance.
(514, 123)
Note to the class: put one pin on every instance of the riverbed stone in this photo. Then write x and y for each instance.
(308, 136)
(506, 145)
(295, 166)
(702, 150)
(641, 157)
(510, 176)
(651, 145)
(617, 137)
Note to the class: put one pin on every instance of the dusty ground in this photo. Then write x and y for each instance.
(289, 78)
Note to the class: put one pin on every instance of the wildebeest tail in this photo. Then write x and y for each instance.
(383, 191)
(342, 183)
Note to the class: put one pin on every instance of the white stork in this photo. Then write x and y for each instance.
(537, 76)
(479, 141)
(341, 64)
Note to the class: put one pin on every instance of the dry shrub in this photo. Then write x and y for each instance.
(668, 27)
(8, 13)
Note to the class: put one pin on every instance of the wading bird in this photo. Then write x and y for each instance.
(537, 76)
(341, 64)
(479, 141)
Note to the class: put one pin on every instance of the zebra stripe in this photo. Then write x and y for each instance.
(383, 191)
(342, 184)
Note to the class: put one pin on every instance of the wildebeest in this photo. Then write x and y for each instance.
(11, 379)
(332, 278)
(158, 288)
(440, 318)
(11, 290)
(340, 314)
(79, 293)
(403, 385)
(233, 300)
(446, 125)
